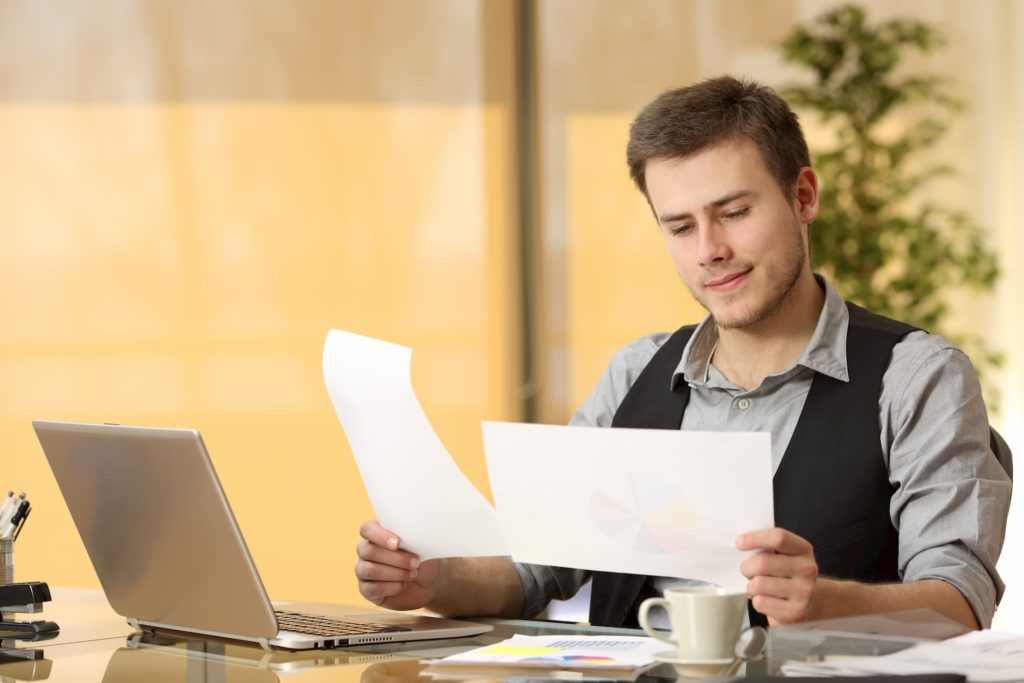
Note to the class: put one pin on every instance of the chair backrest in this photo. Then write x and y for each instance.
(1002, 451)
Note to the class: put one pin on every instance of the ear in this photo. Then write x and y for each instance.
(805, 195)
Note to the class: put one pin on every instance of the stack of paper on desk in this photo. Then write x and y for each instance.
(561, 652)
(982, 656)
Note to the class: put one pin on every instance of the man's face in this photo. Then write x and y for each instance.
(737, 241)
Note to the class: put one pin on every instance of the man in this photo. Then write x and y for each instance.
(888, 493)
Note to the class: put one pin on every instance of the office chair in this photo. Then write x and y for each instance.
(1002, 451)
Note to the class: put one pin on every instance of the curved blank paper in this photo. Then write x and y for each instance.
(415, 487)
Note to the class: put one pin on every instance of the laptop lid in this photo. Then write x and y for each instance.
(167, 549)
(157, 527)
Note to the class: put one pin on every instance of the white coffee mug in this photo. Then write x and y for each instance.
(706, 621)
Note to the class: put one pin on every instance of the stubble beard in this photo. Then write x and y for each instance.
(781, 279)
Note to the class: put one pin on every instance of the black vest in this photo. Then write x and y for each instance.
(832, 486)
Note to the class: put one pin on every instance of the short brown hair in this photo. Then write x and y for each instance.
(684, 121)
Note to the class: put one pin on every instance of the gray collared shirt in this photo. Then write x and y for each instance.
(951, 494)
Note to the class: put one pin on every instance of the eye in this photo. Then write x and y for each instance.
(681, 229)
(736, 213)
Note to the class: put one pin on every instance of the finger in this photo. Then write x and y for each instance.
(373, 571)
(393, 558)
(779, 611)
(785, 566)
(373, 532)
(775, 539)
(379, 591)
(784, 589)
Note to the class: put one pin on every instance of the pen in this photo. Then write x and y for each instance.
(8, 511)
(16, 519)
(17, 532)
(8, 501)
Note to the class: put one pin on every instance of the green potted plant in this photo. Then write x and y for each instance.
(879, 239)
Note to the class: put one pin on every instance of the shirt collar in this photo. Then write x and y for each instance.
(824, 353)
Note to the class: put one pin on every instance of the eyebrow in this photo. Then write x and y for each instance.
(718, 203)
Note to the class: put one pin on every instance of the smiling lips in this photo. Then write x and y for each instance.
(729, 282)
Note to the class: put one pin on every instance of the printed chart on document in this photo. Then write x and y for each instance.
(652, 514)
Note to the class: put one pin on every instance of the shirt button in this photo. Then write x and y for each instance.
(743, 404)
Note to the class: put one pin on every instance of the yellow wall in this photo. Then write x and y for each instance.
(177, 261)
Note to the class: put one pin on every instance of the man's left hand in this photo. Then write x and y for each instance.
(782, 577)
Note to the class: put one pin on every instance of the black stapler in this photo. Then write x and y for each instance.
(28, 598)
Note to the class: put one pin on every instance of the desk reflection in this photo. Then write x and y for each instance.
(398, 671)
(195, 660)
(167, 664)
(19, 667)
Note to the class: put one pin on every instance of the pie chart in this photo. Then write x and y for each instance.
(654, 516)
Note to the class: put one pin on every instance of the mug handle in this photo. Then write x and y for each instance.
(641, 617)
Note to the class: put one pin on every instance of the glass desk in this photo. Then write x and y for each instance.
(97, 645)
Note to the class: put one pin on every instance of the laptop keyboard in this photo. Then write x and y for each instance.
(316, 625)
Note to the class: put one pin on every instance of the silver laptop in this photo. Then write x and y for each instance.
(169, 554)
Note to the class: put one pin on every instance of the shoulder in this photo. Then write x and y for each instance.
(623, 369)
(632, 358)
(930, 385)
(862, 318)
(926, 376)
(921, 351)
(916, 348)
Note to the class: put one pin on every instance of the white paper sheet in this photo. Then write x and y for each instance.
(415, 487)
(981, 656)
(565, 651)
(637, 501)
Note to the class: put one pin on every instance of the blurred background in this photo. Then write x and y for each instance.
(192, 193)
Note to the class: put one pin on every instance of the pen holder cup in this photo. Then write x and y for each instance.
(6, 561)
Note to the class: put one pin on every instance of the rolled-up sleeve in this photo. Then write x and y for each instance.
(542, 584)
(951, 496)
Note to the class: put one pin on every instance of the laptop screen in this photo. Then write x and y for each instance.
(157, 526)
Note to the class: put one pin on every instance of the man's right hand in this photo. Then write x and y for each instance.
(389, 577)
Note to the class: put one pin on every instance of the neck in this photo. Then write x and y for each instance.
(747, 355)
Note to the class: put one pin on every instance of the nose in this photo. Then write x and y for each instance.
(712, 247)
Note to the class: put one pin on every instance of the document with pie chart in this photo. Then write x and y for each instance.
(635, 501)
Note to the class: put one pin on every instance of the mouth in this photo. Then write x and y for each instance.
(729, 282)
